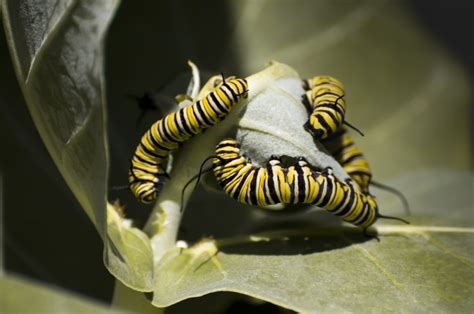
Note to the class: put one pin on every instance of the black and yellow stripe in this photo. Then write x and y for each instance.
(297, 184)
(342, 147)
(169, 132)
(325, 98)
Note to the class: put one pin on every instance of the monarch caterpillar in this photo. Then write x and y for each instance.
(169, 132)
(341, 146)
(325, 97)
(297, 184)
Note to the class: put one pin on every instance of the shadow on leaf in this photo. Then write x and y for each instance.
(294, 241)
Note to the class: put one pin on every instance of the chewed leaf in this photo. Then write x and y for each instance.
(272, 124)
(129, 255)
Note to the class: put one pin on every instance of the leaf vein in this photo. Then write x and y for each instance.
(46, 40)
(446, 250)
(391, 277)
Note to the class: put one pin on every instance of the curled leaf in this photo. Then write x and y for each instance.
(57, 49)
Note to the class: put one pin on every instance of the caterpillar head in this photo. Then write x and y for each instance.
(317, 133)
(274, 160)
(145, 192)
(302, 162)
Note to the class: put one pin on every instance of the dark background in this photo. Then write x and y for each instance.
(46, 232)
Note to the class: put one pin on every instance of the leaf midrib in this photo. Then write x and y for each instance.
(49, 38)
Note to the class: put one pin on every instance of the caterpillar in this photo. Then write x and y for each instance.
(341, 146)
(325, 97)
(168, 133)
(299, 183)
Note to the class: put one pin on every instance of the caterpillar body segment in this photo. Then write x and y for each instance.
(167, 134)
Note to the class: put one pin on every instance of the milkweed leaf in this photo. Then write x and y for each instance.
(57, 49)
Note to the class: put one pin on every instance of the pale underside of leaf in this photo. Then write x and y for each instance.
(272, 124)
(32, 25)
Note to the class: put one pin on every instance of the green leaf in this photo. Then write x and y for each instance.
(280, 133)
(126, 299)
(57, 50)
(24, 296)
(427, 266)
(129, 256)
